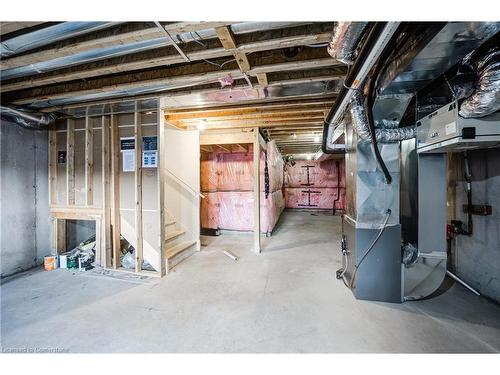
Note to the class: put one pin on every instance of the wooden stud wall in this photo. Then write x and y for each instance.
(91, 191)
(138, 192)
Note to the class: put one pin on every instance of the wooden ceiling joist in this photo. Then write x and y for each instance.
(228, 41)
(255, 107)
(153, 59)
(111, 39)
(248, 113)
(171, 77)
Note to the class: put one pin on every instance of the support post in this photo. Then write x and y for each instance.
(52, 164)
(138, 190)
(70, 162)
(115, 190)
(89, 161)
(161, 193)
(106, 213)
(58, 236)
(256, 188)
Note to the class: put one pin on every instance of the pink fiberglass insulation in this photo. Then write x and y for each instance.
(314, 198)
(313, 173)
(227, 180)
(275, 165)
(224, 171)
(236, 210)
(235, 171)
(208, 172)
(210, 211)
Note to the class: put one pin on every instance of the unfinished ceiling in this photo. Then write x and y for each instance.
(296, 125)
(52, 66)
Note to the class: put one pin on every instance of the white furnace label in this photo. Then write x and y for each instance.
(450, 128)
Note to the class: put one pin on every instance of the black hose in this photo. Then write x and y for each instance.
(337, 165)
(371, 126)
(468, 181)
(386, 52)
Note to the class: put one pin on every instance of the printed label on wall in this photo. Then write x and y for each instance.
(127, 143)
(150, 159)
(128, 160)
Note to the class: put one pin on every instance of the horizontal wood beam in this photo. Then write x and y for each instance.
(225, 138)
(247, 113)
(261, 106)
(253, 119)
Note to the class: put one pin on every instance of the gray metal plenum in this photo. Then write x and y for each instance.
(448, 47)
(425, 275)
(51, 34)
(125, 49)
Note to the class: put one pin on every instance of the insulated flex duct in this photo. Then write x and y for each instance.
(485, 100)
(26, 119)
(386, 134)
(345, 39)
(64, 30)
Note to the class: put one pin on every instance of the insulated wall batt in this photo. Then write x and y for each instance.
(227, 182)
(312, 198)
(210, 211)
(315, 174)
(236, 210)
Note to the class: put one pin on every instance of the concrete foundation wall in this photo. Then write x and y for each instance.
(25, 236)
(477, 258)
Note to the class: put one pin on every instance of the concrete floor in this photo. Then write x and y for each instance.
(285, 300)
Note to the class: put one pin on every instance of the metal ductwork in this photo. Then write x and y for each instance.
(27, 119)
(485, 100)
(51, 34)
(140, 46)
(387, 133)
(345, 39)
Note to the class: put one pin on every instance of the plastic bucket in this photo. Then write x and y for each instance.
(50, 262)
(63, 261)
(72, 263)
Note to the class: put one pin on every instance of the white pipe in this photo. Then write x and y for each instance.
(460, 281)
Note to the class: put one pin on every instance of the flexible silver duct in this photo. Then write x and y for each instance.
(26, 119)
(384, 135)
(345, 38)
(135, 47)
(486, 98)
(51, 34)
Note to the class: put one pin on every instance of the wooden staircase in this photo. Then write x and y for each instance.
(177, 246)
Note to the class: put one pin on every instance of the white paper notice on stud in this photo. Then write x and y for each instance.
(128, 157)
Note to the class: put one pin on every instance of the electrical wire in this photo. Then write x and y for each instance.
(201, 42)
(317, 45)
(367, 251)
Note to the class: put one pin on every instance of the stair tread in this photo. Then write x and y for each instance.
(174, 250)
(173, 234)
(170, 222)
